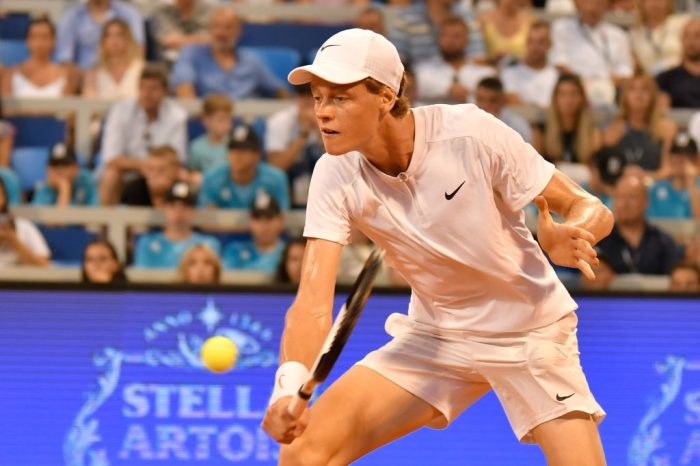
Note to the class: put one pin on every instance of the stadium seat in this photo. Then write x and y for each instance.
(12, 52)
(11, 182)
(14, 26)
(67, 243)
(29, 163)
(280, 60)
(38, 131)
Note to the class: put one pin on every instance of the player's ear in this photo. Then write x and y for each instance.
(388, 99)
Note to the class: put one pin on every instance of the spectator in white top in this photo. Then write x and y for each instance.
(293, 143)
(21, 242)
(119, 64)
(597, 51)
(490, 97)
(452, 76)
(656, 40)
(39, 77)
(133, 126)
(532, 80)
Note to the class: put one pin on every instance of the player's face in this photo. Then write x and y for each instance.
(348, 115)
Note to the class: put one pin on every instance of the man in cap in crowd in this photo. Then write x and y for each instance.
(235, 184)
(66, 183)
(163, 249)
(264, 251)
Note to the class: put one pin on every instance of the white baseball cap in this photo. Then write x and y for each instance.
(353, 55)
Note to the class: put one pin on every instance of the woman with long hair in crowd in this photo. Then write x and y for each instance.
(199, 265)
(119, 64)
(39, 76)
(570, 133)
(101, 264)
(641, 130)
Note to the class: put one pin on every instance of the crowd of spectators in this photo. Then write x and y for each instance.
(603, 91)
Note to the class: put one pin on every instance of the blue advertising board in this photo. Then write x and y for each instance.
(97, 378)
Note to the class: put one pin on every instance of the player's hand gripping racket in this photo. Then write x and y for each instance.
(340, 332)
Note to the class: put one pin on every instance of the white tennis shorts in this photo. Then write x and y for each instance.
(536, 374)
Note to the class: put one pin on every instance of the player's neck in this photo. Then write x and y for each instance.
(392, 149)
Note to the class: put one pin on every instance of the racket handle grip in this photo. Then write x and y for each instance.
(299, 402)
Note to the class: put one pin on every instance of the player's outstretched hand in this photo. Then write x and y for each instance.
(280, 425)
(565, 245)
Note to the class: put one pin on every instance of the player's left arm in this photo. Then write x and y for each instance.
(586, 221)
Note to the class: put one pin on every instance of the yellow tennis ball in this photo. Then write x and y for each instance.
(219, 354)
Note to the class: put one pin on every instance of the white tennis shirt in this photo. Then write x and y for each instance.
(452, 224)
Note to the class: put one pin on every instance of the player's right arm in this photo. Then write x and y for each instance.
(308, 322)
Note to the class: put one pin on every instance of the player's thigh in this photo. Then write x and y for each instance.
(570, 440)
(357, 414)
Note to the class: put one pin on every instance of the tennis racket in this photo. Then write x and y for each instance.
(340, 332)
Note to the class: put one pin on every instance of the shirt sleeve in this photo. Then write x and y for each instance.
(66, 37)
(141, 251)
(113, 140)
(326, 210)
(136, 24)
(184, 70)
(518, 172)
(32, 238)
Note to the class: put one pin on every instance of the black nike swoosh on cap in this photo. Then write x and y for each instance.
(329, 45)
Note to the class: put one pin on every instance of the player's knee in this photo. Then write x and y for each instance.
(304, 453)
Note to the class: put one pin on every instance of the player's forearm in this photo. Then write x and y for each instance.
(591, 215)
(304, 334)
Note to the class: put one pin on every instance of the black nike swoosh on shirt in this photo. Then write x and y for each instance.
(452, 194)
(562, 398)
(329, 45)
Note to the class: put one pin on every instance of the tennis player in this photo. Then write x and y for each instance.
(441, 189)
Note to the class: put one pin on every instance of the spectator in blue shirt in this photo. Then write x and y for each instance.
(219, 67)
(211, 149)
(264, 252)
(163, 249)
(678, 194)
(66, 183)
(80, 27)
(236, 184)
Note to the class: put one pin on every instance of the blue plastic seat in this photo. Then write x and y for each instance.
(40, 130)
(29, 163)
(13, 52)
(11, 182)
(14, 26)
(67, 243)
(280, 60)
